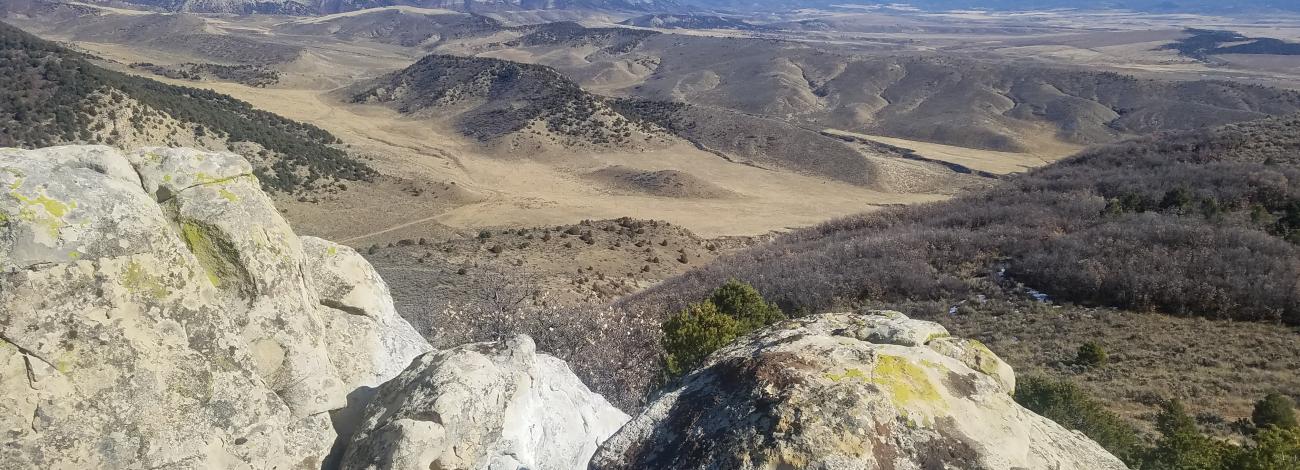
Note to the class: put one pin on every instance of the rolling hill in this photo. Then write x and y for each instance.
(51, 96)
(179, 33)
(683, 21)
(493, 100)
(395, 26)
(936, 98)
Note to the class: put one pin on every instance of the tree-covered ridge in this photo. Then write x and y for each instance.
(500, 97)
(50, 95)
(614, 40)
(1204, 42)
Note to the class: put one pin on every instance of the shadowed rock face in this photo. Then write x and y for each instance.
(156, 311)
(497, 405)
(848, 391)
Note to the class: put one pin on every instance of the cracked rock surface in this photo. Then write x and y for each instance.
(157, 312)
(489, 406)
(848, 391)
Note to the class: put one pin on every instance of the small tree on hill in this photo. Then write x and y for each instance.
(1182, 446)
(1068, 405)
(694, 333)
(1274, 410)
(1091, 354)
(733, 310)
(1275, 449)
(1177, 199)
(742, 302)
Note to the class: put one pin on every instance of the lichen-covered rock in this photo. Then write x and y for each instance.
(255, 261)
(483, 406)
(156, 312)
(847, 391)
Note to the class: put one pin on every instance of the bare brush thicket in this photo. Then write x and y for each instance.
(614, 351)
(1202, 223)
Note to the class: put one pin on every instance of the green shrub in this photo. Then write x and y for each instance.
(733, 310)
(1182, 446)
(1068, 405)
(1275, 448)
(1178, 199)
(1274, 410)
(742, 302)
(1091, 354)
(693, 334)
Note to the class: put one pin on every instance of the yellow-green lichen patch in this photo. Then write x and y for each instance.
(216, 255)
(848, 374)
(229, 196)
(908, 383)
(65, 362)
(197, 239)
(53, 209)
(332, 251)
(74, 255)
(136, 279)
(985, 359)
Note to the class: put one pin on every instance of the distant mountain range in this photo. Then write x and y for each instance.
(1182, 6)
(306, 7)
(309, 7)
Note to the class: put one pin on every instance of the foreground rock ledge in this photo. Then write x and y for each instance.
(848, 391)
(493, 406)
(157, 312)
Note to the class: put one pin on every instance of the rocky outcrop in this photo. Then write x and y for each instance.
(839, 391)
(157, 312)
(496, 405)
(369, 342)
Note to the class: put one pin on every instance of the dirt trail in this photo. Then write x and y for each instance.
(387, 230)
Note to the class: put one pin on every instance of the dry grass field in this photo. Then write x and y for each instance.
(501, 186)
(1000, 163)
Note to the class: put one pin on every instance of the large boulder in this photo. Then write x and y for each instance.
(369, 341)
(848, 391)
(489, 406)
(157, 312)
